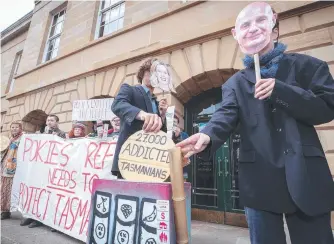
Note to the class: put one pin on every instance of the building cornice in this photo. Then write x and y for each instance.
(18, 27)
(17, 23)
(162, 49)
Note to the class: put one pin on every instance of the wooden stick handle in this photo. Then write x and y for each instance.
(179, 197)
(257, 67)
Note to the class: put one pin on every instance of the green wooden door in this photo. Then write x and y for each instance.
(231, 178)
(214, 182)
(207, 178)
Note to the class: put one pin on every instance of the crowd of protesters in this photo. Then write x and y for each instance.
(9, 154)
(51, 126)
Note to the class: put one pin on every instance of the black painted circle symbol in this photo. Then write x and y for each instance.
(123, 237)
(150, 241)
(100, 231)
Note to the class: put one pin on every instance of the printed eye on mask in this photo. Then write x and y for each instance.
(253, 27)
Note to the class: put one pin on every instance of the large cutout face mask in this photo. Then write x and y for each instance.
(160, 77)
(253, 27)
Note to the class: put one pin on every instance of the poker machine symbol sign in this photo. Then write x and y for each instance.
(145, 157)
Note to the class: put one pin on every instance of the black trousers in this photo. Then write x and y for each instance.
(268, 228)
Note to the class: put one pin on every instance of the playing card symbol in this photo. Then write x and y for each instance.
(152, 216)
(123, 237)
(126, 210)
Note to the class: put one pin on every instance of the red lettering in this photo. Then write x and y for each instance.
(97, 155)
(30, 200)
(52, 153)
(65, 155)
(25, 150)
(107, 151)
(21, 194)
(85, 183)
(52, 176)
(27, 197)
(73, 211)
(73, 206)
(23, 198)
(91, 182)
(72, 179)
(31, 194)
(65, 179)
(65, 211)
(85, 220)
(81, 210)
(39, 198)
(38, 149)
(36, 201)
(89, 153)
(59, 198)
(47, 205)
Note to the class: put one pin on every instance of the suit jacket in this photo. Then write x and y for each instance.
(282, 165)
(127, 104)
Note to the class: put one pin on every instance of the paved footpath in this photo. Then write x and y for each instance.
(201, 233)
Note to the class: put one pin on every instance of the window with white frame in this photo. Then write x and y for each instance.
(52, 43)
(14, 71)
(111, 17)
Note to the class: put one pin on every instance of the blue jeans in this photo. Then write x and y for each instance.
(268, 228)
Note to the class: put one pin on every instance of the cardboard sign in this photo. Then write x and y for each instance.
(125, 212)
(145, 157)
(253, 27)
(54, 178)
(92, 110)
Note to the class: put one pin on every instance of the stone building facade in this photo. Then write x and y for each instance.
(192, 36)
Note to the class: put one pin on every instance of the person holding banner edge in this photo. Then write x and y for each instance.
(8, 168)
(138, 109)
(282, 165)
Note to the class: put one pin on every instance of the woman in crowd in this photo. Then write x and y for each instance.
(8, 168)
(78, 130)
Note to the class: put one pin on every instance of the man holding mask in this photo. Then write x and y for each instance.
(138, 109)
(282, 166)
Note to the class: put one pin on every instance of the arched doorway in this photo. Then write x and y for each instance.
(215, 190)
(34, 121)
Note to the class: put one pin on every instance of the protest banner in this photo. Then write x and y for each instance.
(53, 180)
(92, 110)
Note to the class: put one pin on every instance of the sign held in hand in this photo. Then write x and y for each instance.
(144, 157)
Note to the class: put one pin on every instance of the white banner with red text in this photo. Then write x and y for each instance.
(54, 177)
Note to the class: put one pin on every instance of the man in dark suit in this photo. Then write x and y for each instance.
(282, 166)
(138, 109)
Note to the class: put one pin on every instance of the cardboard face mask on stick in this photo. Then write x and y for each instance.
(253, 27)
(253, 30)
(160, 77)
